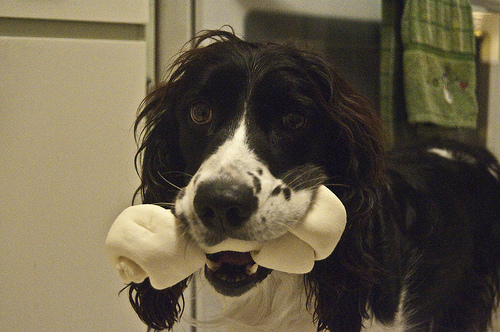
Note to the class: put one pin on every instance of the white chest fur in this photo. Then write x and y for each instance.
(278, 304)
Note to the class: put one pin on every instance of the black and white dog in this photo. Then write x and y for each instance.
(239, 139)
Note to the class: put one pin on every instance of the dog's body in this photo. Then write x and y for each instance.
(238, 141)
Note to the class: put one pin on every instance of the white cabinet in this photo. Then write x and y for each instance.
(129, 11)
(67, 107)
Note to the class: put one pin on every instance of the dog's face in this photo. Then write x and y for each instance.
(244, 129)
(256, 129)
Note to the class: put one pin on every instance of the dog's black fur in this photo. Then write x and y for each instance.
(423, 220)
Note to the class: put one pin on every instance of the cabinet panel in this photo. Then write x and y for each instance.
(66, 165)
(130, 11)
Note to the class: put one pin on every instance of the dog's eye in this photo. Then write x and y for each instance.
(201, 113)
(294, 121)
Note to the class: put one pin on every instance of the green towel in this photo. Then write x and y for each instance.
(439, 62)
(392, 104)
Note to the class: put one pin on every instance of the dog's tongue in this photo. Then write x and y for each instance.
(145, 241)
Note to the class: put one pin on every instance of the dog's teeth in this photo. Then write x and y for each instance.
(251, 269)
(214, 266)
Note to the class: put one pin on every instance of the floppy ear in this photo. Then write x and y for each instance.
(357, 129)
(339, 286)
(162, 173)
(158, 309)
(159, 158)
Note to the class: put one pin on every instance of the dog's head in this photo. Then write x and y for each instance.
(238, 140)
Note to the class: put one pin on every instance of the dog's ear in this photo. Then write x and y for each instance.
(161, 166)
(159, 157)
(339, 286)
(158, 309)
(356, 127)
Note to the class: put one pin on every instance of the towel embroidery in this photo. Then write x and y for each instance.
(446, 80)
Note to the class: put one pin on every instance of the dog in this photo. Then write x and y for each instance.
(237, 142)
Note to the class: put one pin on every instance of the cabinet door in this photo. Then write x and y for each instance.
(130, 11)
(66, 171)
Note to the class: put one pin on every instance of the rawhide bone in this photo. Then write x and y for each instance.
(147, 241)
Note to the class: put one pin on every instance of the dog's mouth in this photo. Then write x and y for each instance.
(233, 273)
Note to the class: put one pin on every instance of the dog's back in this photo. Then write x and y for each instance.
(442, 211)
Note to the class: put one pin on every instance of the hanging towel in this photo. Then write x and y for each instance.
(392, 103)
(439, 62)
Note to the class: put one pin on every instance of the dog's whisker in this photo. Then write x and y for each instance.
(337, 185)
(165, 205)
(302, 179)
(169, 182)
(181, 173)
(308, 183)
(288, 224)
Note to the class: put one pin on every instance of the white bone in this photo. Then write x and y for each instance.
(287, 253)
(233, 245)
(324, 223)
(146, 241)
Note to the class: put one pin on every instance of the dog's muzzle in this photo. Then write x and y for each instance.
(224, 206)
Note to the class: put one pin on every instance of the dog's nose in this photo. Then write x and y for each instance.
(224, 204)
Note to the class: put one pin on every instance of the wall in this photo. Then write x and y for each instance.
(232, 12)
